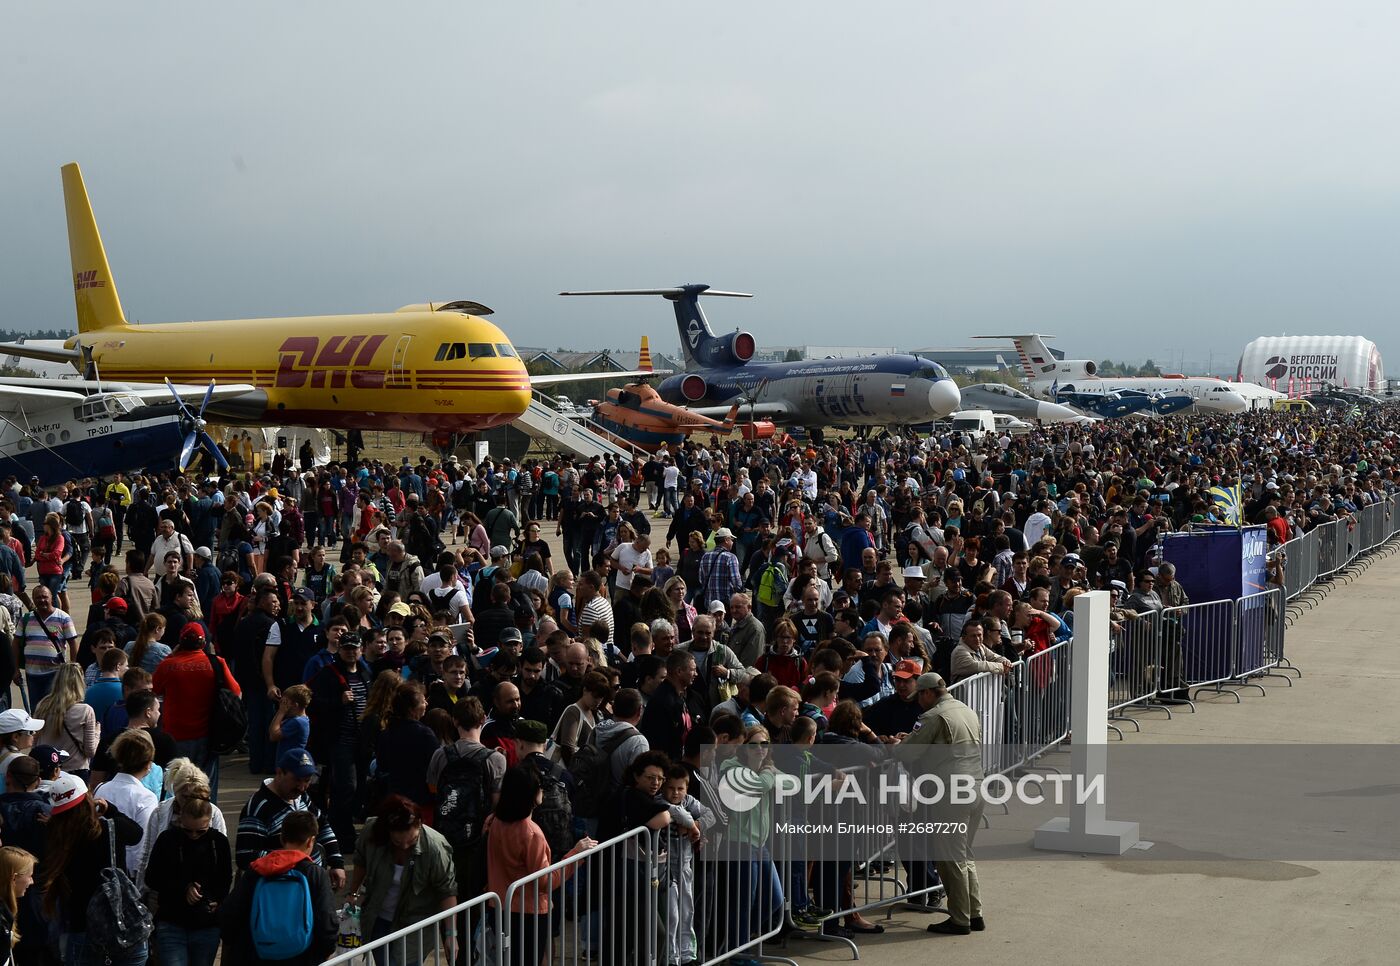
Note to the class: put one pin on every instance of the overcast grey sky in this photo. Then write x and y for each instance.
(1140, 179)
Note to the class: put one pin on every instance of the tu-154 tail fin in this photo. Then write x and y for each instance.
(699, 343)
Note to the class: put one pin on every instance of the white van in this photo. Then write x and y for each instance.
(1011, 426)
(974, 422)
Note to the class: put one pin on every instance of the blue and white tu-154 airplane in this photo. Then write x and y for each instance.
(873, 391)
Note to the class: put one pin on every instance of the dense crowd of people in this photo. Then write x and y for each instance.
(448, 677)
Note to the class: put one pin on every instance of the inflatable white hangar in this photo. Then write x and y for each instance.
(1312, 361)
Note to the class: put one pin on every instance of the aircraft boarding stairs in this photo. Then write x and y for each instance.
(577, 434)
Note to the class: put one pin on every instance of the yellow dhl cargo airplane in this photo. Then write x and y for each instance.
(437, 366)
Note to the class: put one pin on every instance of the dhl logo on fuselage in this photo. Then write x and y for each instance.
(89, 279)
(342, 360)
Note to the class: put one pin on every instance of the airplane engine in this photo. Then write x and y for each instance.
(1079, 368)
(739, 346)
(694, 388)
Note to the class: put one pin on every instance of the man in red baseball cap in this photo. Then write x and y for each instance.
(895, 714)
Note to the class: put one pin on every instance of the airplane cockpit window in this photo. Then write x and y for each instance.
(928, 372)
(449, 351)
(506, 350)
(481, 350)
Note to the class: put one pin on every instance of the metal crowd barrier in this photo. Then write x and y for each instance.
(597, 906)
(1207, 641)
(1134, 663)
(864, 872)
(475, 923)
(998, 700)
(1045, 700)
(1259, 623)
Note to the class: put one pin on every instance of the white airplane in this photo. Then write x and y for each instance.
(1078, 379)
(83, 428)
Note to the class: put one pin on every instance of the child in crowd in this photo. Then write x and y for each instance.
(107, 689)
(298, 838)
(116, 719)
(690, 820)
(104, 639)
(290, 726)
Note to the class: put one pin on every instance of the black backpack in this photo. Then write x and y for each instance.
(229, 559)
(554, 815)
(74, 513)
(464, 795)
(228, 721)
(117, 921)
(592, 771)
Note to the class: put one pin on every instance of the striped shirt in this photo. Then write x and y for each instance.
(260, 829)
(40, 654)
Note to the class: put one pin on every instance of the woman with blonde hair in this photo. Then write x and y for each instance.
(676, 593)
(69, 724)
(184, 782)
(16, 876)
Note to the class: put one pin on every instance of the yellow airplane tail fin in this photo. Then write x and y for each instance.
(644, 360)
(94, 291)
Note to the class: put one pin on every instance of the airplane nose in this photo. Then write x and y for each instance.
(1049, 412)
(943, 397)
(1237, 402)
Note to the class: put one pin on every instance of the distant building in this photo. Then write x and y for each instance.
(619, 360)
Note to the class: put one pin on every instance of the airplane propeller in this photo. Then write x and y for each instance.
(193, 423)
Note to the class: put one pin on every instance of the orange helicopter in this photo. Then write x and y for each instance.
(636, 414)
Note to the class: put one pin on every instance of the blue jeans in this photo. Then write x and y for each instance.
(179, 946)
(39, 686)
(78, 952)
(757, 898)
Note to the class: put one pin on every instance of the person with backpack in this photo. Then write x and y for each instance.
(77, 523)
(404, 874)
(282, 911)
(771, 583)
(104, 535)
(516, 847)
(85, 860)
(190, 871)
(188, 682)
(465, 779)
(555, 812)
(598, 766)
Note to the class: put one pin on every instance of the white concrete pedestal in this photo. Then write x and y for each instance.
(1086, 829)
